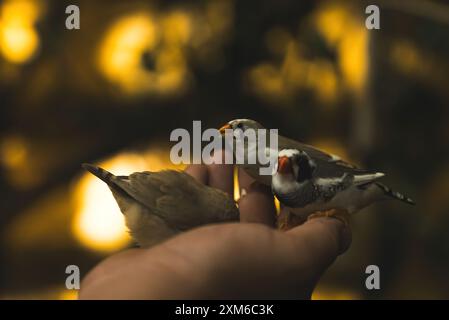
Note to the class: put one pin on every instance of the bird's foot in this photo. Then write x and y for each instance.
(340, 214)
(288, 220)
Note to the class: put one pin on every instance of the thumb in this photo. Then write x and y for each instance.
(320, 241)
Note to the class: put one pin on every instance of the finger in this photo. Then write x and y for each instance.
(221, 176)
(256, 202)
(199, 172)
(323, 239)
(109, 265)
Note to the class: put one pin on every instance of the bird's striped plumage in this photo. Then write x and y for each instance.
(350, 189)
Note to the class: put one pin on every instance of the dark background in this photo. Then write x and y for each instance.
(112, 92)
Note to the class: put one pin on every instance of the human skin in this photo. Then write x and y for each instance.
(246, 260)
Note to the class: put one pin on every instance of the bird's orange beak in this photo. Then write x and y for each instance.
(222, 129)
(284, 165)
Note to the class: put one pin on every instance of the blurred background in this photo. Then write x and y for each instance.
(112, 92)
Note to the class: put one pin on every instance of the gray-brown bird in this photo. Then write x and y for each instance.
(239, 126)
(158, 205)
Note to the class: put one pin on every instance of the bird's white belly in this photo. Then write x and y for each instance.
(351, 199)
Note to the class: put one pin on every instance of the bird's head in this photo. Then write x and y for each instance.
(295, 164)
(242, 124)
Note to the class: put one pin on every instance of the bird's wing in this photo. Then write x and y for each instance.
(328, 165)
(315, 153)
(171, 195)
(326, 169)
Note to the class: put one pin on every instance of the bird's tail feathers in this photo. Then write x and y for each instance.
(362, 179)
(394, 194)
(100, 173)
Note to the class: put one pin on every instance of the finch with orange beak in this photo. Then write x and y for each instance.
(307, 188)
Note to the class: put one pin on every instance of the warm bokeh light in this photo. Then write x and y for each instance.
(353, 57)
(282, 82)
(277, 205)
(330, 22)
(130, 38)
(122, 48)
(19, 40)
(68, 295)
(266, 80)
(15, 153)
(406, 57)
(98, 223)
(326, 294)
(148, 52)
(345, 30)
(236, 184)
(177, 27)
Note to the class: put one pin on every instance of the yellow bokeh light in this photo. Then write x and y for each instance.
(19, 40)
(125, 43)
(331, 21)
(19, 166)
(406, 57)
(177, 27)
(171, 70)
(277, 205)
(18, 43)
(321, 77)
(294, 67)
(266, 79)
(98, 223)
(236, 184)
(13, 152)
(148, 52)
(220, 15)
(334, 294)
(281, 83)
(68, 295)
(121, 50)
(344, 29)
(353, 57)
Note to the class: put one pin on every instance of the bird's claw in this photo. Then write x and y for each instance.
(288, 220)
(340, 214)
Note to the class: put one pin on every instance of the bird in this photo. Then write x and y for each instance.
(240, 126)
(159, 205)
(309, 188)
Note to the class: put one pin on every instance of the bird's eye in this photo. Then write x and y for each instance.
(240, 126)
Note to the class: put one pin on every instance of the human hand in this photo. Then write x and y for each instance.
(250, 259)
